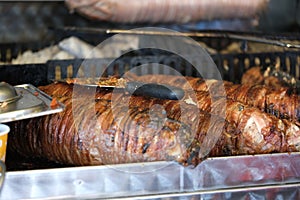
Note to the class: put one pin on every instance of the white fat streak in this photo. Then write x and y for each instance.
(189, 100)
(253, 128)
(280, 125)
(292, 134)
(175, 150)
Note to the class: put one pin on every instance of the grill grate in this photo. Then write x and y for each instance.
(231, 66)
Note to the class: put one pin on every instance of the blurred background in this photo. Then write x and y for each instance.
(30, 21)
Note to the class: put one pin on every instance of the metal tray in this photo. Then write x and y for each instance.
(33, 103)
(222, 178)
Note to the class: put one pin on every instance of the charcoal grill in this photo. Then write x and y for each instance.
(182, 182)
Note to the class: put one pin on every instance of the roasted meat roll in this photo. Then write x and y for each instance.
(281, 102)
(119, 128)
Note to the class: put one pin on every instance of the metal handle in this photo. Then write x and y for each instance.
(154, 90)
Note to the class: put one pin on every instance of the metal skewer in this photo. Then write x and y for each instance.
(200, 34)
(185, 34)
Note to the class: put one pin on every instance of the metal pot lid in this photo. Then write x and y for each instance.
(8, 93)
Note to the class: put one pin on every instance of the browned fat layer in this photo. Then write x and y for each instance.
(259, 96)
(256, 96)
(240, 93)
(29, 137)
(60, 121)
(175, 109)
(85, 119)
(187, 114)
(216, 130)
(274, 101)
(71, 135)
(133, 122)
(51, 136)
(196, 84)
(233, 110)
(20, 146)
(57, 89)
(67, 131)
(63, 90)
(140, 129)
(253, 76)
(61, 127)
(44, 138)
(34, 138)
(124, 121)
(105, 118)
(217, 87)
(145, 137)
(128, 128)
(176, 112)
(53, 122)
(204, 101)
(207, 128)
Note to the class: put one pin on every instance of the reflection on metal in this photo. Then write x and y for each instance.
(222, 178)
(31, 102)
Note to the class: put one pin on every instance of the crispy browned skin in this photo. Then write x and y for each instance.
(104, 138)
(258, 132)
(271, 77)
(277, 101)
(253, 76)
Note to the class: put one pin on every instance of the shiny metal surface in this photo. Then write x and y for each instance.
(32, 103)
(203, 34)
(221, 178)
(8, 93)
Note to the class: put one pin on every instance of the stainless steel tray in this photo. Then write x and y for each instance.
(222, 177)
(33, 103)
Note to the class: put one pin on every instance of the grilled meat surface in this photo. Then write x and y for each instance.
(270, 76)
(116, 130)
(78, 136)
(280, 102)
